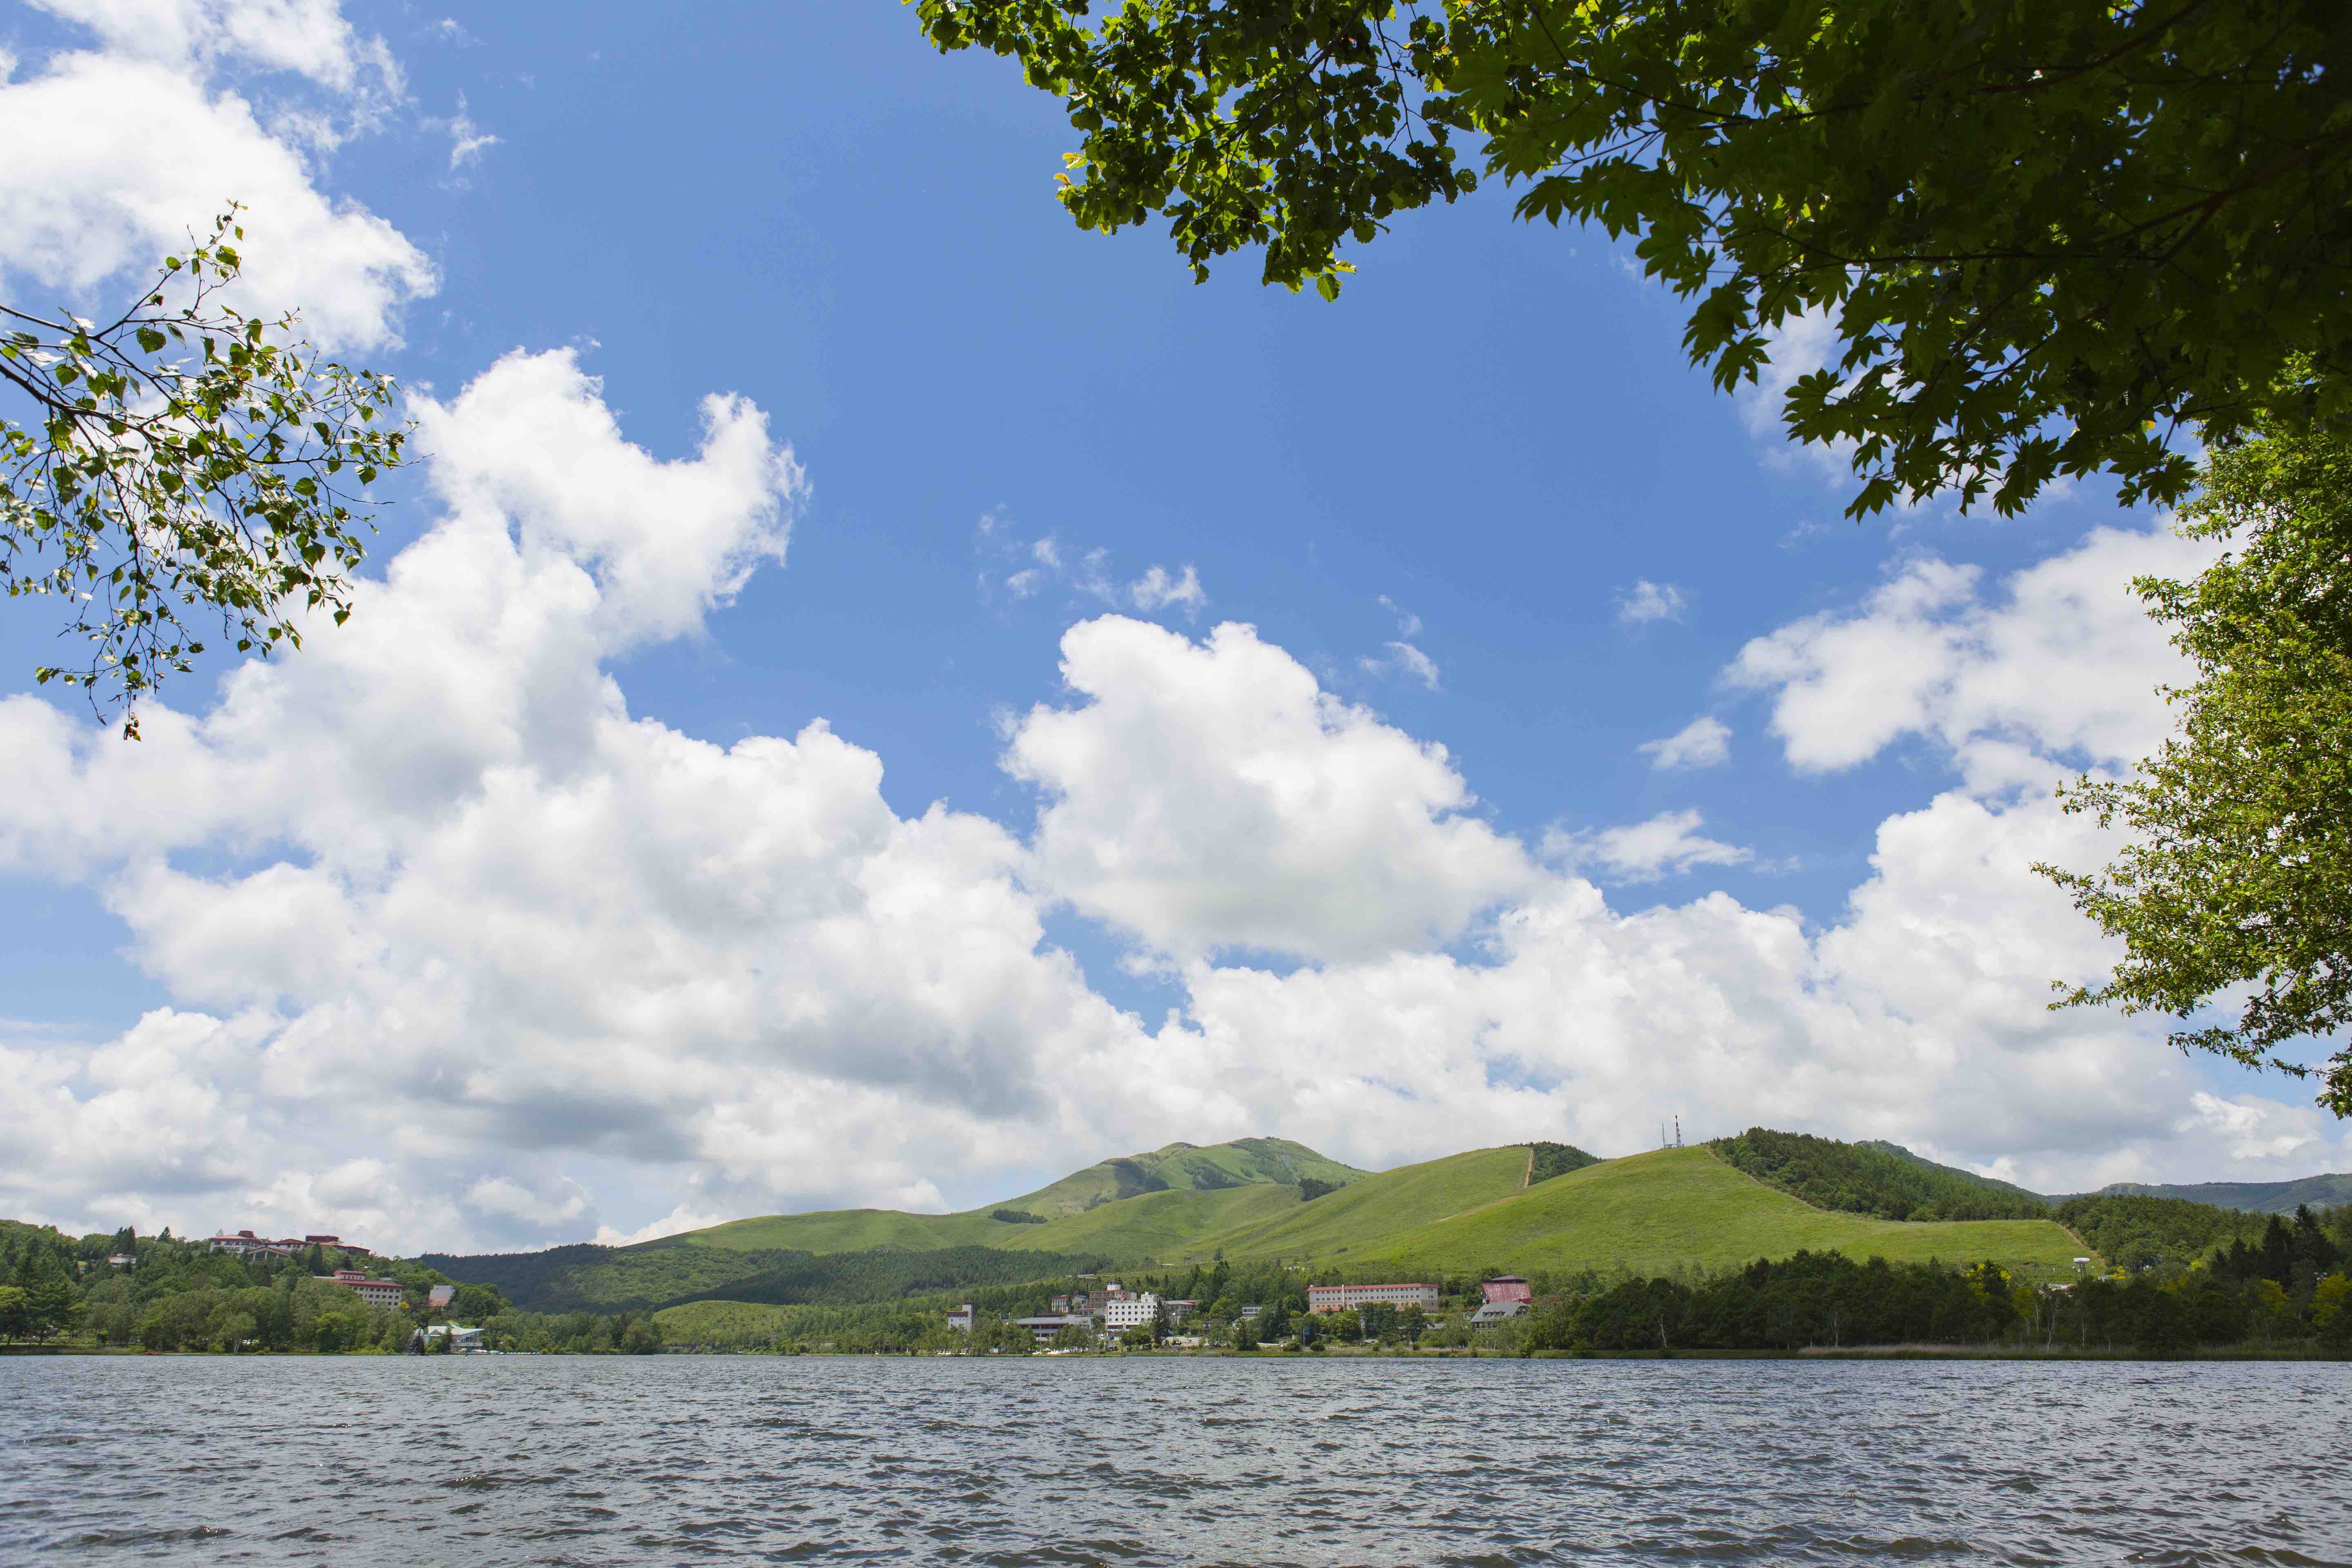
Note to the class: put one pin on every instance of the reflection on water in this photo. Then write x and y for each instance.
(514, 1459)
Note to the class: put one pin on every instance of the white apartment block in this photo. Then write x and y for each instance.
(1341, 1297)
(1131, 1310)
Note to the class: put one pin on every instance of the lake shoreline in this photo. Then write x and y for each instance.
(1928, 1353)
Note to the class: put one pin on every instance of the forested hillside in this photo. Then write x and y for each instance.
(1856, 1178)
(2135, 1232)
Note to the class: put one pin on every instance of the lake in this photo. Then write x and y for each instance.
(689, 1459)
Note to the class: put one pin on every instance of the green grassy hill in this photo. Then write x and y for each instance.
(1267, 1169)
(1183, 1167)
(1683, 1207)
(846, 1230)
(1673, 1208)
(1164, 1226)
(1362, 1216)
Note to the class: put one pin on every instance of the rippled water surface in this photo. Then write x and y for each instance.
(514, 1459)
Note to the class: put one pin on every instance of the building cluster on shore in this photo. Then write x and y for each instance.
(246, 1244)
(1111, 1310)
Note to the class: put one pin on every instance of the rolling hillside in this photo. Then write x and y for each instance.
(1677, 1207)
(1361, 1216)
(1517, 1206)
(1184, 1167)
(1164, 1226)
(1267, 1169)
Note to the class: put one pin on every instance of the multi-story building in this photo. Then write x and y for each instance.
(1494, 1312)
(1180, 1311)
(1130, 1310)
(1341, 1297)
(375, 1292)
(1507, 1288)
(959, 1319)
(245, 1244)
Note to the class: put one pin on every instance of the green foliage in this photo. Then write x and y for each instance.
(2331, 1311)
(1855, 1178)
(2045, 234)
(2291, 1253)
(638, 1279)
(183, 458)
(2239, 872)
(2134, 1232)
(1309, 1189)
(1548, 1159)
(1016, 1217)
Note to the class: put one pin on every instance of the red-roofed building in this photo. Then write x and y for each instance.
(1507, 1288)
(375, 1292)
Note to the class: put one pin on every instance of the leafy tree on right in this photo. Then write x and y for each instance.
(2239, 871)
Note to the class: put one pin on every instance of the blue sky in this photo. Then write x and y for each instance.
(1490, 451)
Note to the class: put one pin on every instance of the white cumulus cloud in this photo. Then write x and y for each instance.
(2062, 660)
(1667, 845)
(116, 157)
(1703, 742)
(1207, 795)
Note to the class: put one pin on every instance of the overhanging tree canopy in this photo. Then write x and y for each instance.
(184, 458)
(2050, 233)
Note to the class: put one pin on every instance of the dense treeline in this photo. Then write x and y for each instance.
(175, 1295)
(886, 1274)
(1857, 1179)
(641, 1279)
(2134, 1232)
(2286, 1283)
(1548, 1159)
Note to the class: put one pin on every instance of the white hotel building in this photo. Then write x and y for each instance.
(1341, 1297)
(1130, 1312)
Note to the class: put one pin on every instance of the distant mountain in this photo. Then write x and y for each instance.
(2248, 1197)
(2252, 1198)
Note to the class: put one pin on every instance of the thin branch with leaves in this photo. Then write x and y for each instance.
(184, 461)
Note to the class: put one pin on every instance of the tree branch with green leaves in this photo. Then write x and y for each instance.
(2049, 236)
(183, 461)
(2236, 887)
